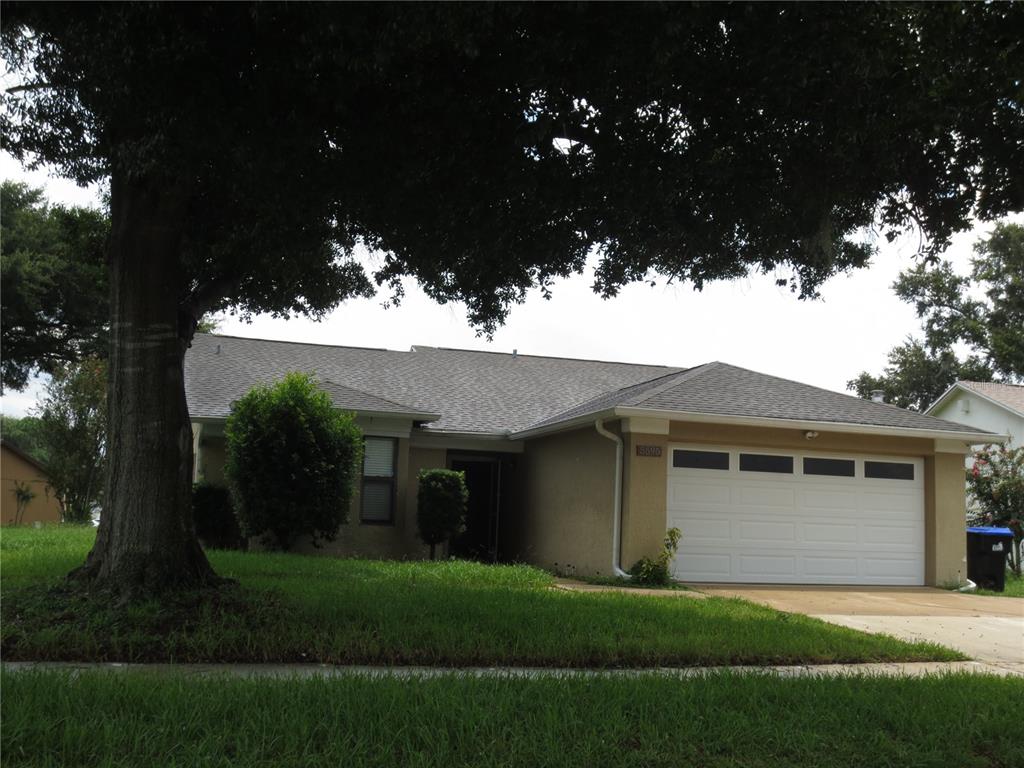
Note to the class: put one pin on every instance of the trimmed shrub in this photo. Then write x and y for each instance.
(292, 463)
(440, 505)
(654, 570)
(214, 515)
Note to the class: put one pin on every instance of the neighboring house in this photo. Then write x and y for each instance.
(18, 469)
(985, 405)
(580, 466)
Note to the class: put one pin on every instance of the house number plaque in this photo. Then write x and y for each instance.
(648, 450)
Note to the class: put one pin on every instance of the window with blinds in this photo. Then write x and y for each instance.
(377, 503)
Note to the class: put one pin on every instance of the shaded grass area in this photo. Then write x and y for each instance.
(134, 719)
(1014, 587)
(290, 608)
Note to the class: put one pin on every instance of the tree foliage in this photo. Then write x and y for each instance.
(26, 433)
(995, 485)
(73, 423)
(953, 315)
(441, 501)
(484, 149)
(292, 462)
(53, 308)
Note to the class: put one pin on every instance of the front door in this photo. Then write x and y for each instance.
(483, 480)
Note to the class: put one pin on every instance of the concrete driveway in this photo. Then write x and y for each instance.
(988, 629)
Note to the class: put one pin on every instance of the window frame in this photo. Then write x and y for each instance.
(695, 451)
(880, 462)
(741, 454)
(380, 480)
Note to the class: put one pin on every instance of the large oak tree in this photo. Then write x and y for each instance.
(483, 149)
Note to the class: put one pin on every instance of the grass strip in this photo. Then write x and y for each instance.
(134, 719)
(291, 608)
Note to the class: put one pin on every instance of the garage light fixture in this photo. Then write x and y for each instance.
(810, 434)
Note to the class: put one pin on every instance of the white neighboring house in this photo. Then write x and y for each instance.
(984, 405)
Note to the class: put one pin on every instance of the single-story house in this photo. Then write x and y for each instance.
(19, 470)
(984, 405)
(580, 466)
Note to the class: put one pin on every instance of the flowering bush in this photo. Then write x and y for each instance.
(995, 483)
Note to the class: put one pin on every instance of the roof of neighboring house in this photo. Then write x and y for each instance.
(24, 456)
(1010, 396)
(727, 390)
(494, 393)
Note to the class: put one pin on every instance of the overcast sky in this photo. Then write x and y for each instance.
(750, 323)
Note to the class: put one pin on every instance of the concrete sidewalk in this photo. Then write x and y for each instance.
(305, 671)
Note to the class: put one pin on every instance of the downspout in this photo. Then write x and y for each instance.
(616, 501)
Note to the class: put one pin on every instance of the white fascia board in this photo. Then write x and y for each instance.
(818, 426)
(465, 441)
(943, 397)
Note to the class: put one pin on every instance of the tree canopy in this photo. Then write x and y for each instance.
(488, 148)
(982, 313)
(483, 149)
(53, 308)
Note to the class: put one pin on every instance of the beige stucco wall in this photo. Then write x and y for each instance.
(945, 535)
(14, 469)
(644, 498)
(564, 520)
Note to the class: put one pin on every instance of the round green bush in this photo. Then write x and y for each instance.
(440, 505)
(293, 461)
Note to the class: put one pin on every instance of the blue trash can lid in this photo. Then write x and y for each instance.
(985, 530)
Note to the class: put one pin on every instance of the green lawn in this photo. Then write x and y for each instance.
(291, 608)
(140, 719)
(1014, 587)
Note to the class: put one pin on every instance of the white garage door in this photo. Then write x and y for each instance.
(796, 517)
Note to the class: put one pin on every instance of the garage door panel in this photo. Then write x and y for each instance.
(904, 536)
(756, 532)
(824, 533)
(831, 567)
(747, 527)
(760, 566)
(705, 529)
(709, 566)
(697, 494)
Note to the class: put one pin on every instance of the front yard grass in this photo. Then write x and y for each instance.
(138, 718)
(290, 608)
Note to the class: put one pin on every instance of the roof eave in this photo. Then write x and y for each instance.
(818, 426)
(412, 415)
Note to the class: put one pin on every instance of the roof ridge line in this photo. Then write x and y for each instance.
(300, 343)
(675, 379)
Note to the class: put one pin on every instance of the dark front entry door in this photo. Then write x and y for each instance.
(483, 480)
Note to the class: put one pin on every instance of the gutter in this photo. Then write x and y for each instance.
(616, 501)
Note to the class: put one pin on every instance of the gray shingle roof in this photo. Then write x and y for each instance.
(482, 392)
(723, 389)
(487, 392)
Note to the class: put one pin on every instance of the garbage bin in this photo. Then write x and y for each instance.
(987, 549)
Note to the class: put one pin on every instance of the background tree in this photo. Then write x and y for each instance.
(25, 432)
(73, 424)
(292, 462)
(441, 500)
(483, 149)
(995, 485)
(53, 307)
(953, 316)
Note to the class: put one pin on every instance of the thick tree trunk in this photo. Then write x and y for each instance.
(146, 541)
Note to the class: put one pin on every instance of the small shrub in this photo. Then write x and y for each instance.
(214, 515)
(654, 570)
(440, 505)
(293, 461)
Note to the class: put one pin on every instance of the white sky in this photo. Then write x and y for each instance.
(749, 323)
